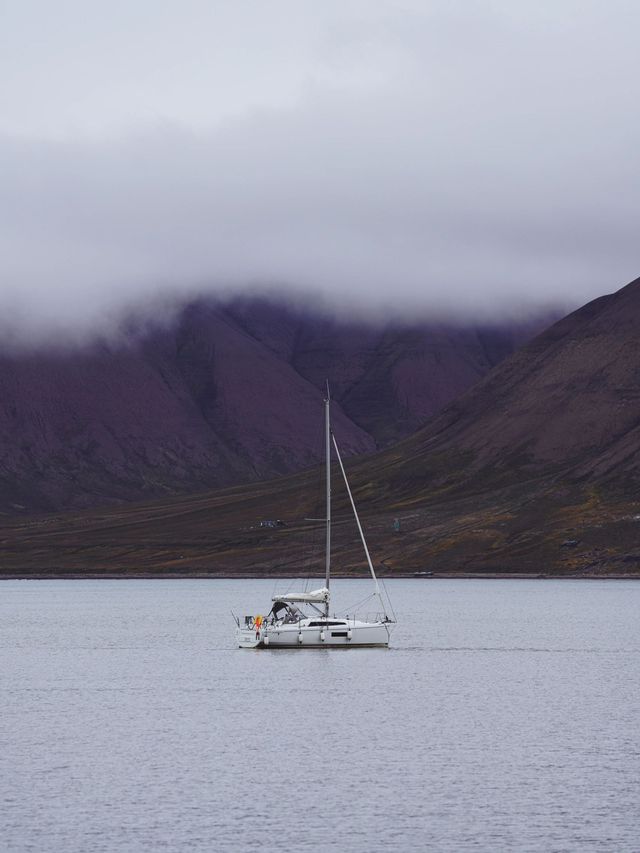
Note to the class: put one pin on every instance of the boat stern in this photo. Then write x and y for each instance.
(249, 638)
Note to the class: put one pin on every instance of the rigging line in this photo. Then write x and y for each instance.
(355, 513)
(386, 592)
(294, 547)
(312, 539)
(304, 543)
(354, 607)
(359, 604)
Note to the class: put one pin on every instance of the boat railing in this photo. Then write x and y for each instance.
(370, 617)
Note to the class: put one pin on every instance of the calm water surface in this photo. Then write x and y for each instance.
(506, 716)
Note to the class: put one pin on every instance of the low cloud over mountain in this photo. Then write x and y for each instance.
(444, 158)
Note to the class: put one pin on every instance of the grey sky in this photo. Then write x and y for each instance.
(436, 156)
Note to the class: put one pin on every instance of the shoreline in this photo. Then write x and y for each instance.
(262, 576)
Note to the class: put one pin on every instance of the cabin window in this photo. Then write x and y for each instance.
(338, 633)
(325, 624)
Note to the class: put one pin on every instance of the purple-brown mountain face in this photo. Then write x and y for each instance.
(232, 393)
(569, 400)
(534, 470)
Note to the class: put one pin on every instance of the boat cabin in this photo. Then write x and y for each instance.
(285, 611)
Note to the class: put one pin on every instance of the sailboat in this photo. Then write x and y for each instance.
(301, 620)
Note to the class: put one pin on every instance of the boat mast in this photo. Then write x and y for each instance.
(327, 436)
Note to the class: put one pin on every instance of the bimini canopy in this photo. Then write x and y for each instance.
(318, 596)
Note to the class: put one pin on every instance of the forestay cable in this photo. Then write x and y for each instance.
(360, 531)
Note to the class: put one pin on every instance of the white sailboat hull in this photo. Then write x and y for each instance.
(353, 635)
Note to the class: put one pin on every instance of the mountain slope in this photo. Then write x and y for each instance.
(389, 379)
(569, 399)
(228, 394)
(532, 471)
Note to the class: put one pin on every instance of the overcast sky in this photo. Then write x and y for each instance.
(466, 157)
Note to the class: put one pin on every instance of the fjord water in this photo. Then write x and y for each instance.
(504, 717)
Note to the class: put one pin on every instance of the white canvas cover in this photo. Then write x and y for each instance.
(318, 596)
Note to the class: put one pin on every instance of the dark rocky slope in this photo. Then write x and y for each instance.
(532, 471)
(569, 400)
(230, 393)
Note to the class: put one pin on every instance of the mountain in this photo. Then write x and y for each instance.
(387, 378)
(568, 401)
(534, 470)
(229, 393)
